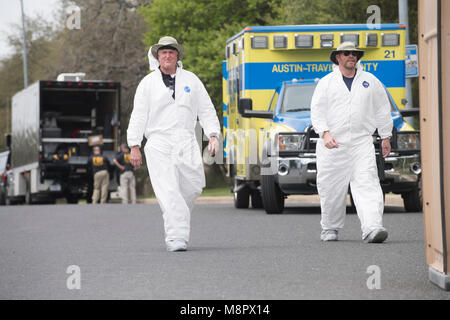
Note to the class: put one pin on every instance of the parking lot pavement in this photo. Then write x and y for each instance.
(116, 251)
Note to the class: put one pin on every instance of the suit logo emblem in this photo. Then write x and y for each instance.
(365, 84)
(187, 89)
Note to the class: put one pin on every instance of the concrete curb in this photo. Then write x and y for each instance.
(391, 200)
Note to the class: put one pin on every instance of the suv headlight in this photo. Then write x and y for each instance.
(290, 142)
(408, 141)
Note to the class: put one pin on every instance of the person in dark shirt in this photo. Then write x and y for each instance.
(99, 166)
(127, 179)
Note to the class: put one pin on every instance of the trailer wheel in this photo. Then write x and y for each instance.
(8, 200)
(71, 199)
(257, 202)
(2, 198)
(413, 200)
(272, 196)
(28, 196)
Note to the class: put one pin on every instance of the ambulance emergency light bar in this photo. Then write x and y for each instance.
(280, 42)
(352, 37)
(390, 39)
(259, 42)
(326, 40)
(304, 40)
(371, 40)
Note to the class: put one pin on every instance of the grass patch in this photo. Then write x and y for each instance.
(216, 192)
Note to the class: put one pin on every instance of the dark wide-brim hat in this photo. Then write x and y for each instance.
(170, 43)
(345, 46)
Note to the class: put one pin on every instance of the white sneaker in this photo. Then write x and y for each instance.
(376, 236)
(329, 235)
(176, 245)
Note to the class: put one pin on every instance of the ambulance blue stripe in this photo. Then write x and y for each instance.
(224, 107)
(224, 70)
(266, 76)
(225, 121)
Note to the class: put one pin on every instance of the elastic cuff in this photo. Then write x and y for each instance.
(214, 135)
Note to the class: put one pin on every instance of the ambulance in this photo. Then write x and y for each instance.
(269, 77)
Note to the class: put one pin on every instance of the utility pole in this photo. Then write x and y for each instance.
(403, 19)
(25, 67)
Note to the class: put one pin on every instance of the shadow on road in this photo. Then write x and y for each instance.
(315, 209)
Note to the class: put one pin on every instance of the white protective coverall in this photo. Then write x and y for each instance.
(351, 117)
(172, 152)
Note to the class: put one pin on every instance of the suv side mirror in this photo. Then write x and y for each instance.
(244, 105)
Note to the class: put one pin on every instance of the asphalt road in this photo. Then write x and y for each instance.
(234, 254)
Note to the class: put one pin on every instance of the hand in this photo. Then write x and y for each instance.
(213, 146)
(385, 147)
(329, 141)
(135, 157)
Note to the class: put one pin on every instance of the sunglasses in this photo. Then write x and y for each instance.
(347, 53)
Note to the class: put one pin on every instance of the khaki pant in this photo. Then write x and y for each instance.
(101, 182)
(128, 183)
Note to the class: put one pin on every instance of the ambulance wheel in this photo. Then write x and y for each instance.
(257, 202)
(272, 196)
(242, 196)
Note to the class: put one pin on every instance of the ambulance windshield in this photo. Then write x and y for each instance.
(297, 98)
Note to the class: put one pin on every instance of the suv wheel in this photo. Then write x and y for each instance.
(272, 196)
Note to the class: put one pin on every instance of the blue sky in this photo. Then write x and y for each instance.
(10, 13)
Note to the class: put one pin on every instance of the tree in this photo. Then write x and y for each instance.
(345, 11)
(39, 39)
(203, 27)
(108, 46)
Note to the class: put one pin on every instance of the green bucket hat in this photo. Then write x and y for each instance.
(168, 42)
(345, 46)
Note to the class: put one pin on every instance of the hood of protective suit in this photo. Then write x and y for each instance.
(154, 63)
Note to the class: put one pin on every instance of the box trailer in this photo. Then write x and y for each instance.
(53, 123)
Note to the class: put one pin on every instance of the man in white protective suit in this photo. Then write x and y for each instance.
(166, 106)
(347, 107)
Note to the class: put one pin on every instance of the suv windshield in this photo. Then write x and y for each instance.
(297, 98)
